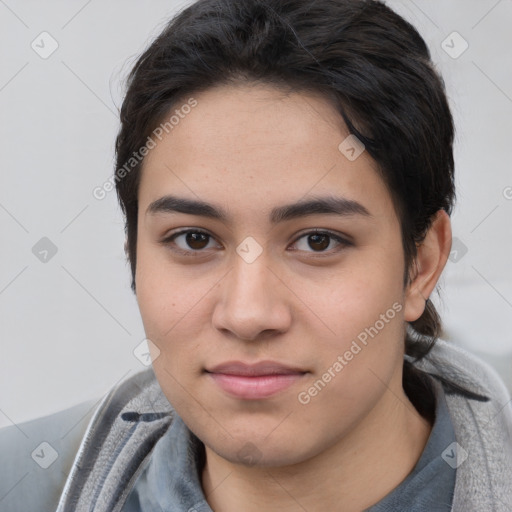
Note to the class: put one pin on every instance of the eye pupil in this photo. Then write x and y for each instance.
(196, 240)
(317, 239)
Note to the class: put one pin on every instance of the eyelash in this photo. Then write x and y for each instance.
(198, 253)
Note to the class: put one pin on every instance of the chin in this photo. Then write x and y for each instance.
(262, 453)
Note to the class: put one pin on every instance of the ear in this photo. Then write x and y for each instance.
(430, 261)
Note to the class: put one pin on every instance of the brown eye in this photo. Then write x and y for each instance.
(196, 240)
(189, 242)
(320, 241)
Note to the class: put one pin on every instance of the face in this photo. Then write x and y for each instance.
(279, 326)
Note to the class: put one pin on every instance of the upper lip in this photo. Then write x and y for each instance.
(255, 369)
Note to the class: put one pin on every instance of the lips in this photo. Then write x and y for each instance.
(254, 370)
(254, 381)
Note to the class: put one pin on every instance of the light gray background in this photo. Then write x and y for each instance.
(68, 327)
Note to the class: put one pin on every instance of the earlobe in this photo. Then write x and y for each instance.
(432, 255)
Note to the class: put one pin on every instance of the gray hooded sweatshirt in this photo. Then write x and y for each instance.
(126, 425)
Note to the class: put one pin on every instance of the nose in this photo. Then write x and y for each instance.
(253, 302)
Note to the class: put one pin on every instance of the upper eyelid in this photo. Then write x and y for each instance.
(169, 237)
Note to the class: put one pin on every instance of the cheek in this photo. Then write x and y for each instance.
(170, 322)
(164, 293)
(349, 302)
(173, 303)
(363, 309)
(359, 361)
(166, 310)
(159, 296)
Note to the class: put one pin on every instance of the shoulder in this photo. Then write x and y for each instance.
(37, 455)
(480, 407)
(455, 365)
(117, 443)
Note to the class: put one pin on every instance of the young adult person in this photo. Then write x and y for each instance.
(286, 174)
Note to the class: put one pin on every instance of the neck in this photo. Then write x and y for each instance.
(357, 472)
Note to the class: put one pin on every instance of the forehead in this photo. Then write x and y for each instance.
(253, 146)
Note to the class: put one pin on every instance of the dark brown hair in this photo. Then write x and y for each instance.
(368, 61)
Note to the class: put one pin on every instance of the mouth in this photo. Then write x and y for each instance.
(254, 381)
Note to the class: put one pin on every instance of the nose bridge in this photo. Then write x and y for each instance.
(251, 300)
(250, 281)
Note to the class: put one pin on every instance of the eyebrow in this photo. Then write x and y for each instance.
(321, 205)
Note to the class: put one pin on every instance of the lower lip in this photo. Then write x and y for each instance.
(254, 388)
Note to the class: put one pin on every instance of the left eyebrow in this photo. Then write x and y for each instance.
(330, 205)
(323, 205)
